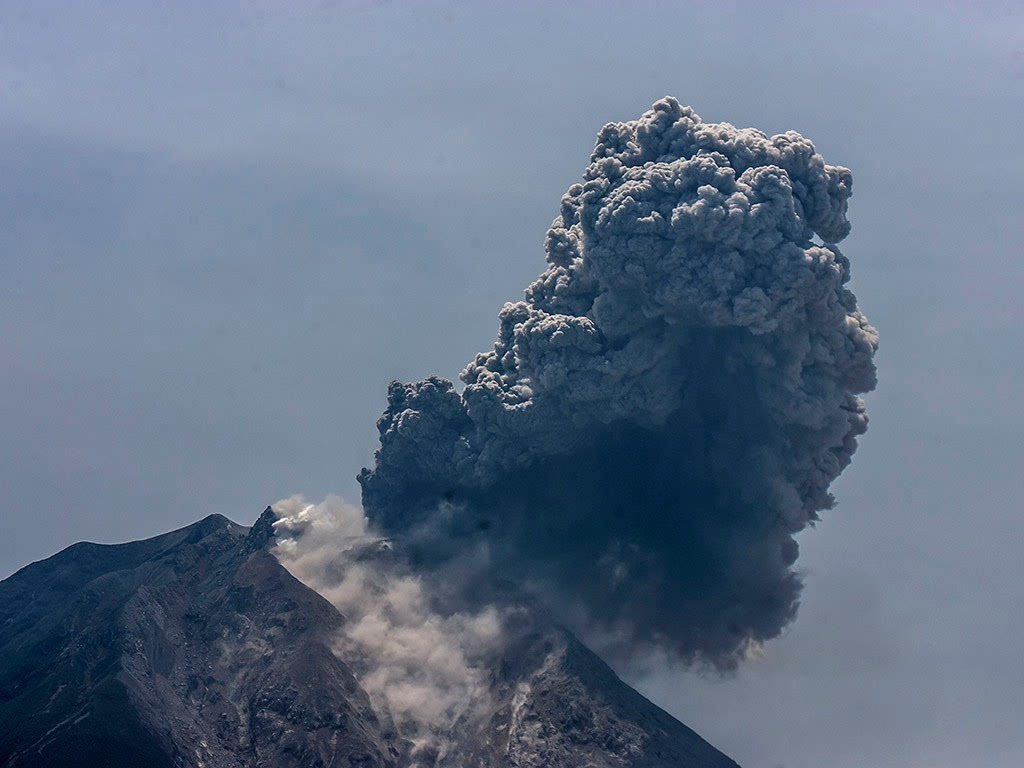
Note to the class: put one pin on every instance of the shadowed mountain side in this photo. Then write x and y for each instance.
(197, 648)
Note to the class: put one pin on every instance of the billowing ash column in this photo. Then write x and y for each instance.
(667, 407)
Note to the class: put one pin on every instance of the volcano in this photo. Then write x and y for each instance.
(198, 648)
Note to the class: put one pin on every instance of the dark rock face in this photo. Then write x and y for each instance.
(197, 648)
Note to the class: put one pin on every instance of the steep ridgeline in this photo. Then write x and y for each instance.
(197, 648)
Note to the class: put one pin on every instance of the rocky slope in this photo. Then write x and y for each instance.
(197, 648)
(562, 706)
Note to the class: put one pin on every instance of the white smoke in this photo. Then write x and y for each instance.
(423, 670)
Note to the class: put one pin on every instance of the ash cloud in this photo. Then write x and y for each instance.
(665, 410)
(425, 670)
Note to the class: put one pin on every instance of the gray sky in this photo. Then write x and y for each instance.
(223, 225)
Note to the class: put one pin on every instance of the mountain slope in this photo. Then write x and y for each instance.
(197, 648)
(563, 706)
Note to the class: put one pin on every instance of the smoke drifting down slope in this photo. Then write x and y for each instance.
(424, 670)
(665, 410)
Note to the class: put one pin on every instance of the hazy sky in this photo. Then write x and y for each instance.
(224, 226)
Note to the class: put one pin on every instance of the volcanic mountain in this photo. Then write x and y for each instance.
(198, 648)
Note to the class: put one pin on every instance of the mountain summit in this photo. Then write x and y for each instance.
(198, 648)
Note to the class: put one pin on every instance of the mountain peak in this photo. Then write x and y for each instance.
(261, 534)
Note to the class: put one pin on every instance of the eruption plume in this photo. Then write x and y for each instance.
(665, 410)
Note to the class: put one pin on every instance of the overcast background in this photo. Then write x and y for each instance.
(221, 226)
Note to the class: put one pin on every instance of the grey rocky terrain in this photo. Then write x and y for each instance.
(197, 648)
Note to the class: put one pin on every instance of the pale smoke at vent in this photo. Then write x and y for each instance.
(425, 671)
(665, 410)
